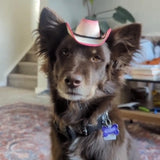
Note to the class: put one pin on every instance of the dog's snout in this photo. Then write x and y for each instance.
(73, 81)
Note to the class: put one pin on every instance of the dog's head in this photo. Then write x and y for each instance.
(79, 72)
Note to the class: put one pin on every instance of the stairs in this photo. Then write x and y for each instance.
(24, 75)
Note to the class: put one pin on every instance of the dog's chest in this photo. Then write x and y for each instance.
(90, 149)
(73, 153)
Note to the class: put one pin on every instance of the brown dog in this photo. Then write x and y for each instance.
(83, 83)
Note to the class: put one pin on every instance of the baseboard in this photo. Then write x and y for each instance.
(40, 90)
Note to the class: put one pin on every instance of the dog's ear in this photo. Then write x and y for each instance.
(123, 42)
(51, 30)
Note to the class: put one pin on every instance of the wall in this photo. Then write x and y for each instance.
(42, 83)
(18, 18)
(72, 11)
(145, 12)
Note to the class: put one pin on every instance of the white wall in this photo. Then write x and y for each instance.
(71, 11)
(144, 11)
(18, 18)
(42, 82)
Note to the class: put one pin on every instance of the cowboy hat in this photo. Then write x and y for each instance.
(88, 33)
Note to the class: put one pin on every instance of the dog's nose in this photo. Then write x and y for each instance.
(73, 81)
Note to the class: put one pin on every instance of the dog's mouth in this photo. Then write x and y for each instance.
(78, 94)
(71, 95)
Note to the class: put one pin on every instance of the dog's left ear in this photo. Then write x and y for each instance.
(51, 30)
(123, 42)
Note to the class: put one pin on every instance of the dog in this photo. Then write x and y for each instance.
(84, 81)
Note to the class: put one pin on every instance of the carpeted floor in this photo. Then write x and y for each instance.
(148, 140)
(24, 134)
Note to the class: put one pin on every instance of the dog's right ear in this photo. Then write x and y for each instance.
(51, 30)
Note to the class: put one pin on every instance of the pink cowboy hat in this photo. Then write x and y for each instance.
(88, 33)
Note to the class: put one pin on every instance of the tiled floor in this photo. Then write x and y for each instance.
(9, 95)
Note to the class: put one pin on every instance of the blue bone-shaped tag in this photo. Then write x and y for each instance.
(110, 132)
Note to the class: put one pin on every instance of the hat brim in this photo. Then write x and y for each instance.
(87, 41)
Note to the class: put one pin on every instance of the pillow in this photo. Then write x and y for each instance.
(157, 50)
(146, 52)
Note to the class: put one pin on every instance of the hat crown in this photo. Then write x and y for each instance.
(88, 28)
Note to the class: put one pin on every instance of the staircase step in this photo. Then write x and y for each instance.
(30, 57)
(22, 81)
(28, 68)
(33, 50)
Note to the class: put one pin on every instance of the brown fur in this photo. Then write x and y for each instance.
(83, 83)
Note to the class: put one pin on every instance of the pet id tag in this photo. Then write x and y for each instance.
(110, 132)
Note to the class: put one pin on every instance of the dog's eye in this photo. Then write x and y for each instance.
(96, 59)
(65, 52)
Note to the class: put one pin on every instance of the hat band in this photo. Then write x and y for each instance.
(79, 35)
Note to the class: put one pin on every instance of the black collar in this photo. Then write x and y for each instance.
(70, 133)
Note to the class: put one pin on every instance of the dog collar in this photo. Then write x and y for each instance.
(109, 130)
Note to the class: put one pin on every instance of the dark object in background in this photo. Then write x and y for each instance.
(156, 98)
(140, 95)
